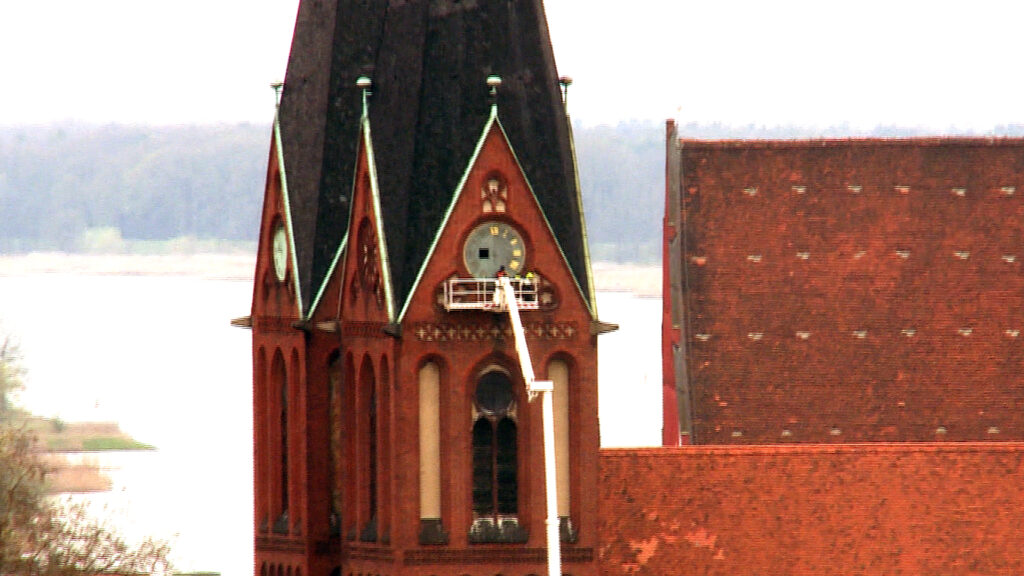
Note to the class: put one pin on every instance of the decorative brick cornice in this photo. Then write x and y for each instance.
(278, 544)
(265, 324)
(457, 332)
(375, 553)
(351, 329)
(491, 555)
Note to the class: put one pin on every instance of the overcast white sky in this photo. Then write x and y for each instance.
(815, 63)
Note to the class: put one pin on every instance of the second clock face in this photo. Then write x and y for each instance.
(492, 245)
(280, 252)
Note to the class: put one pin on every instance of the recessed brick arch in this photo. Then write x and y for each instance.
(279, 424)
(335, 434)
(367, 449)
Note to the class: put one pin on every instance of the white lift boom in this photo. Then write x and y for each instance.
(545, 388)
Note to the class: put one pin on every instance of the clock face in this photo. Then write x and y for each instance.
(492, 245)
(369, 270)
(280, 248)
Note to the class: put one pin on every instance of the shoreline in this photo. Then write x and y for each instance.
(643, 280)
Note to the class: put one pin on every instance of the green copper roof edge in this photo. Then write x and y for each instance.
(378, 221)
(343, 245)
(292, 254)
(451, 207)
(327, 277)
(543, 215)
(592, 301)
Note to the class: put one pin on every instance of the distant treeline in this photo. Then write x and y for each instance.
(75, 187)
(62, 186)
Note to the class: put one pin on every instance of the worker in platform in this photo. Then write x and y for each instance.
(497, 286)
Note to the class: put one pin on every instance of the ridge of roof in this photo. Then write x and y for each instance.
(591, 296)
(491, 121)
(737, 143)
(378, 221)
(292, 254)
(812, 449)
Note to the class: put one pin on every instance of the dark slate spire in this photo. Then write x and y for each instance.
(429, 60)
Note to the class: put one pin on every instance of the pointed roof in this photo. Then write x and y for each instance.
(429, 60)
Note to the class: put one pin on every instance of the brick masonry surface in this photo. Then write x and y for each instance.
(949, 508)
(854, 290)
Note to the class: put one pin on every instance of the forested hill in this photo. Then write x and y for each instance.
(94, 188)
(147, 183)
(77, 187)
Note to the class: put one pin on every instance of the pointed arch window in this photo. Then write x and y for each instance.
(495, 461)
(368, 451)
(335, 411)
(431, 527)
(279, 422)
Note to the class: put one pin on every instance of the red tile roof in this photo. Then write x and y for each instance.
(853, 290)
(813, 509)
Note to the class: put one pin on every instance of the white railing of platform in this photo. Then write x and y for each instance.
(484, 294)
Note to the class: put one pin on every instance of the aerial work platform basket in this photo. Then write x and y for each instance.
(486, 294)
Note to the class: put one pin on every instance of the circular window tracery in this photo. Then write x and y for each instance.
(494, 395)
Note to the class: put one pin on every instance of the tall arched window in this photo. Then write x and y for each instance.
(279, 416)
(559, 374)
(431, 527)
(495, 460)
(263, 427)
(368, 450)
(351, 474)
(284, 445)
(335, 432)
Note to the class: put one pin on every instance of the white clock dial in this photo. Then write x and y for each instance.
(492, 246)
(280, 248)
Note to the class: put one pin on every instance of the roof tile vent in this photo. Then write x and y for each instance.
(803, 255)
(854, 188)
(904, 190)
(803, 335)
(1008, 190)
(860, 334)
(755, 258)
(750, 191)
(908, 332)
(959, 192)
(799, 189)
(755, 336)
(1009, 258)
(904, 254)
(962, 254)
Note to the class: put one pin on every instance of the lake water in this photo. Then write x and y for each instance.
(156, 354)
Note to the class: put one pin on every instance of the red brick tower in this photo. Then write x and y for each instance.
(393, 432)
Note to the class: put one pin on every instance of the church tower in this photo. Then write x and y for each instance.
(422, 161)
